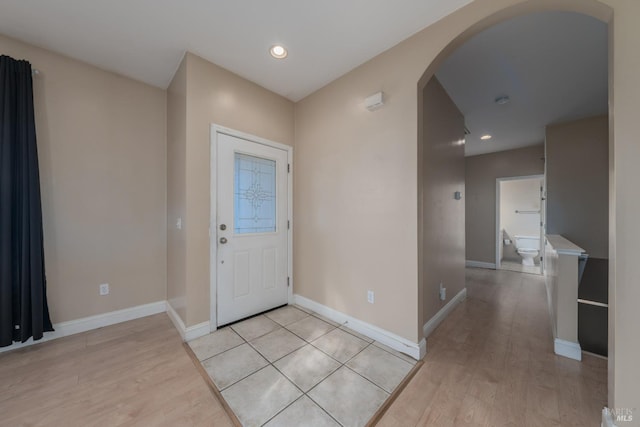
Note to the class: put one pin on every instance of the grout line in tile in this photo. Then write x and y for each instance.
(327, 320)
(324, 410)
(259, 336)
(362, 376)
(341, 363)
(395, 355)
(245, 377)
(356, 355)
(305, 343)
(282, 410)
(309, 342)
(350, 331)
(223, 352)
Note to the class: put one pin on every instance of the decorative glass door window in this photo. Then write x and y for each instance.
(254, 194)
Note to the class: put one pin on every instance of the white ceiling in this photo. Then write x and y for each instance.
(553, 66)
(145, 39)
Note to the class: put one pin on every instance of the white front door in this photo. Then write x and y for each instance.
(251, 229)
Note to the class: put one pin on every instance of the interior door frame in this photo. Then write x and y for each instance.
(213, 220)
(498, 241)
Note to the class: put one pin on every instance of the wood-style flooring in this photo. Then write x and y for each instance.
(490, 363)
(134, 373)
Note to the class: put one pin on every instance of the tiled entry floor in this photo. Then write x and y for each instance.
(290, 367)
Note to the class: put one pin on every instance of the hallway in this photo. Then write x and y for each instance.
(491, 363)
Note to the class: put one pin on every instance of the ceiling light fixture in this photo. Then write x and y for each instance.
(501, 100)
(485, 137)
(278, 51)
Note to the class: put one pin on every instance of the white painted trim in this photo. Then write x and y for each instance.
(423, 347)
(607, 419)
(594, 303)
(197, 331)
(403, 345)
(568, 349)
(176, 320)
(213, 246)
(498, 241)
(187, 333)
(290, 234)
(433, 323)
(552, 321)
(84, 324)
(480, 264)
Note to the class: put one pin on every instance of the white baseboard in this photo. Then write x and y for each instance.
(480, 264)
(567, 349)
(396, 342)
(607, 419)
(187, 333)
(84, 324)
(433, 323)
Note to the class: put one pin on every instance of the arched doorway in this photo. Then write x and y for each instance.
(476, 21)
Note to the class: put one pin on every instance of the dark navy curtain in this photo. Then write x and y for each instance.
(23, 298)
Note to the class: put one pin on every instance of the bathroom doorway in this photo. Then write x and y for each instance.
(520, 223)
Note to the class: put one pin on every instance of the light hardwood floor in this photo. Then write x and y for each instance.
(133, 373)
(490, 363)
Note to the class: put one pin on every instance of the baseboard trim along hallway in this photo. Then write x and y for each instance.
(85, 324)
(433, 323)
(396, 342)
(187, 333)
(568, 349)
(480, 264)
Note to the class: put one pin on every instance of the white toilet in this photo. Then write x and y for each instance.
(528, 248)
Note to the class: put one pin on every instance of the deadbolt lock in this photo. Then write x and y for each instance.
(223, 227)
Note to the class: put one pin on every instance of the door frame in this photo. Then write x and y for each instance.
(498, 241)
(213, 220)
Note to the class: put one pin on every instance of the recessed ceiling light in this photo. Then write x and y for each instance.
(485, 137)
(278, 51)
(501, 100)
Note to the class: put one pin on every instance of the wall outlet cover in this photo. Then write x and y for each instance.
(104, 289)
(371, 297)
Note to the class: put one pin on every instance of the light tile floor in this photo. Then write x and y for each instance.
(291, 367)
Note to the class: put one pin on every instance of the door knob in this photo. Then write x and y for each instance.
(223, 240)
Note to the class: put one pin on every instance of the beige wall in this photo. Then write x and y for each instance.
(213, 95)
(441, 216)
(624, 174)
(101, 147)
(355, 195)
(364, 166)
(578, 183)
(481, 174)
(356, 201)
(177, 190)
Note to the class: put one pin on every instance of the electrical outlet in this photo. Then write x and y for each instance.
(179, 224)
(443, 292)
(371, 297)
(104, 289)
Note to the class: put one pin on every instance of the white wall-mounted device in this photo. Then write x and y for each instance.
(374, 101)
